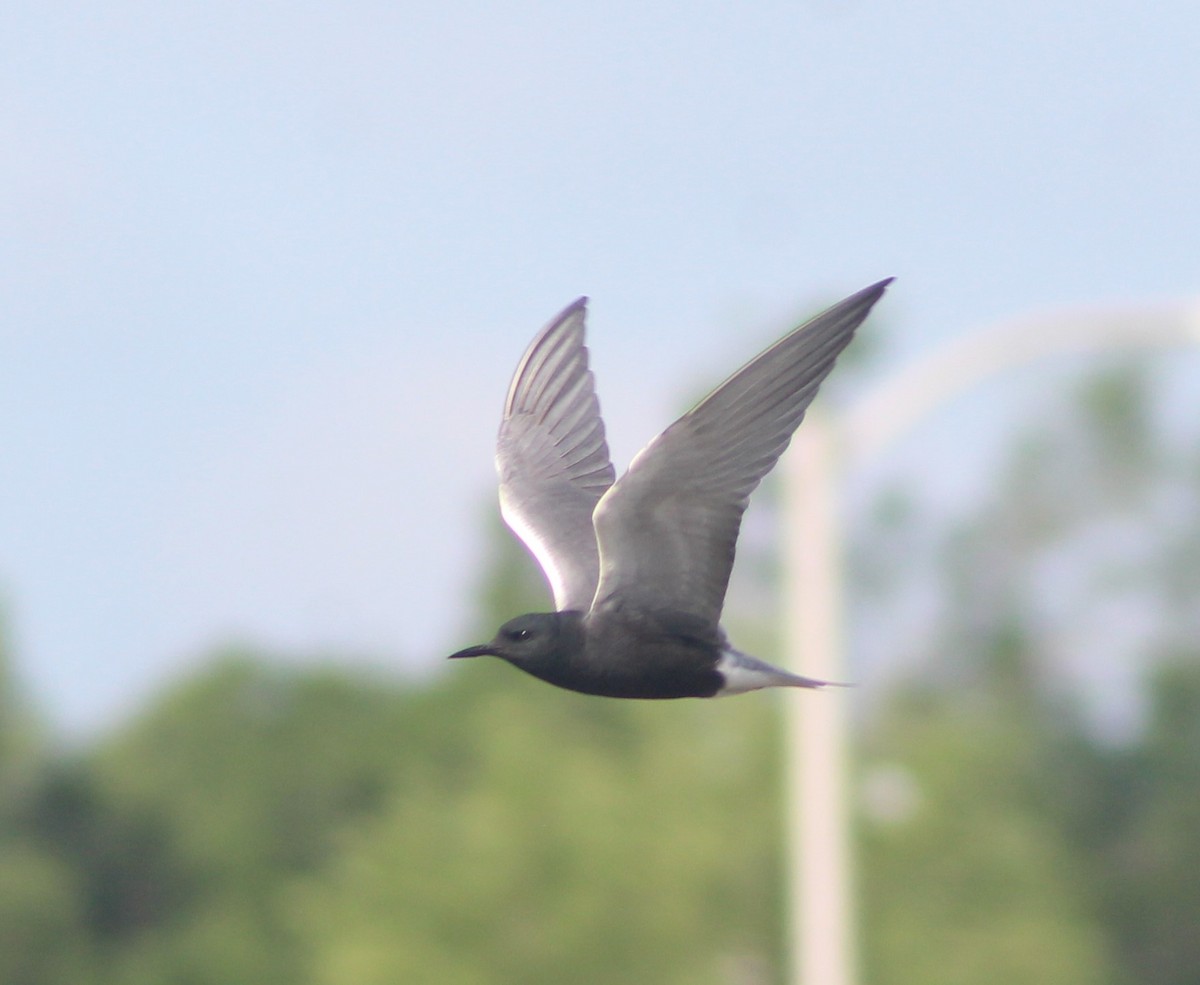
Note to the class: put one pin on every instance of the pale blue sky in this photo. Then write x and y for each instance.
(265, 268)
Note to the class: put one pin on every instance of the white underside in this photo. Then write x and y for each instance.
(743, 673)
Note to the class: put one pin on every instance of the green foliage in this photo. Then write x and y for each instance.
(43, 939)
(1150, 893)
(565, 847)
(251, 771)
(1020, 842)
(967, 878)
(262, 825)
(21, 735)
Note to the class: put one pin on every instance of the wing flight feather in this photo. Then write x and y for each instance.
(552, 458)
(667, 529)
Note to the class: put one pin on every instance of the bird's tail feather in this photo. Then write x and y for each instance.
(743, 672)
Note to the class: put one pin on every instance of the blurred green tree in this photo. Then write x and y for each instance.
(1006, 824)
(248, 773)
(43, 933)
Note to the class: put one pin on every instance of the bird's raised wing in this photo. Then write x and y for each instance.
(668, 528)
(553, 460)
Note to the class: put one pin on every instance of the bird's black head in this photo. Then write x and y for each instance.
(527, 641)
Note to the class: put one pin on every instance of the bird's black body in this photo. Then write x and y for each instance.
(613, 653)
(639, 566)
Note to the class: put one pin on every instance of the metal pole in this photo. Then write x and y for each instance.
(821, 913)
(822, 949)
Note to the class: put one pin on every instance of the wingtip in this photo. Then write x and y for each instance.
(868, 296)
(577, 309)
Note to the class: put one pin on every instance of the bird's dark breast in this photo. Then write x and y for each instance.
(643, 656)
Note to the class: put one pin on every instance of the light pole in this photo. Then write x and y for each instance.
(821, 920)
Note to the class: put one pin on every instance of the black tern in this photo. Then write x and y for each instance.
(639, 566)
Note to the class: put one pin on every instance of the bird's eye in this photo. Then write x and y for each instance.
(518, 634)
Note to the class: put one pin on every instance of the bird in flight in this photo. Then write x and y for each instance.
(639, 566)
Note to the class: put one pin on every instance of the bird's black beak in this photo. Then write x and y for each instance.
(473, 651)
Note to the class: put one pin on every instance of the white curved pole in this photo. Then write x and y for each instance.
(818, 849)
(901, 402)
(821, 918)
